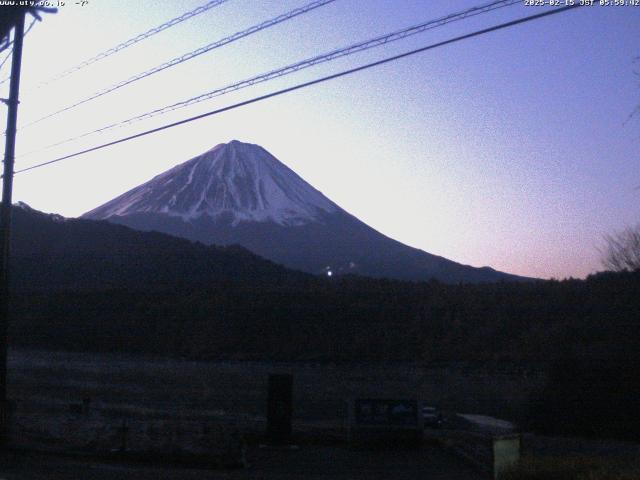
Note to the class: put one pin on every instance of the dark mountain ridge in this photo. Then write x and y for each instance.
(52, 252)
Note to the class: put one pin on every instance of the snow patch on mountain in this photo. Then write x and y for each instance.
(236, 179)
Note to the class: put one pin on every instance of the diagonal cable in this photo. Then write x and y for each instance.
(358, 47)
(326, 57)
(188, 56)
(132, 41)
(4, 60)
(316, 81)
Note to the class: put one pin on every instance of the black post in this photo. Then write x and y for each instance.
(5, 217)
(279, 409)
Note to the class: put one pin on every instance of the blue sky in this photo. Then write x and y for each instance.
(511, 150)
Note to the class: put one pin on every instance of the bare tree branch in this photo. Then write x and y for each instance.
(622, 250)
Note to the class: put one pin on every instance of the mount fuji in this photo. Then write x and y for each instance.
(238, 193)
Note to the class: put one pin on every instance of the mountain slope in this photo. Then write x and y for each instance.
(237, 181)
(239, 193)
(50, 252)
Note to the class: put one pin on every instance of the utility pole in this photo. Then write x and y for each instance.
(5, 216)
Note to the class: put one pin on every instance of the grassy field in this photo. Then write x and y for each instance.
(143, 388)
(574, 468)
(129, 385)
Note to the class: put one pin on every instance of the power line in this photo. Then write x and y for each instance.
(5, 45)
(11, 52)
(33, 22)
(309, 62)
(4, 60)
(6, 41)
(6, 23)
(308, 84)
(138, 38)
(358, 47)
(188, 56)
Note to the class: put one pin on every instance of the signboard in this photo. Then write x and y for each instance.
(385, 422)
(386, 413)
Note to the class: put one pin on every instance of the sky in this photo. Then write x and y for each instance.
(513, 149)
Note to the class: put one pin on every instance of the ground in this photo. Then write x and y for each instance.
(307, 462)
(134, 388)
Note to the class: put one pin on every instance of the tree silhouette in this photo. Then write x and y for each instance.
(623, 250)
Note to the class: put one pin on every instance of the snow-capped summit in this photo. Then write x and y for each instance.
(238, 193)
(235, 180)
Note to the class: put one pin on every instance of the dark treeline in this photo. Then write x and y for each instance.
(344, 319)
